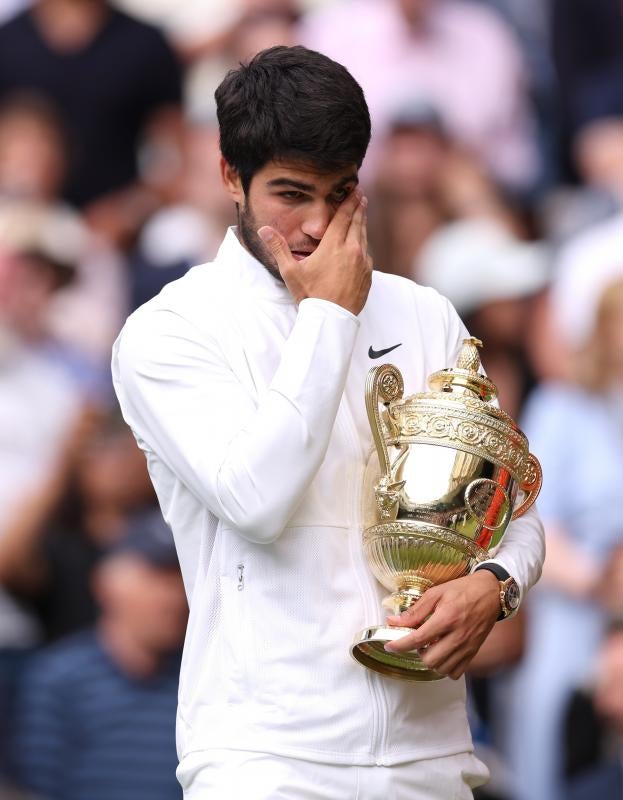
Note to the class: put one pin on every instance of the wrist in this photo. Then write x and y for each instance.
(490, 590)
(508, 591)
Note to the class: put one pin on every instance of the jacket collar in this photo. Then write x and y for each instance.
(248, 271)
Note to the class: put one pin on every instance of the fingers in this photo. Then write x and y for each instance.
(364, 231)
(452, 663)
(414, 616)
(278, 247)
(431, 630)
(340, 224)
(353, 237)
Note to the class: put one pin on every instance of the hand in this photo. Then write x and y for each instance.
(340, 269)
(452, 620)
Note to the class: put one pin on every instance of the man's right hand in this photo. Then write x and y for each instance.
(340, 269)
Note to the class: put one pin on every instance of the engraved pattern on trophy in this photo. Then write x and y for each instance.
(451, 468)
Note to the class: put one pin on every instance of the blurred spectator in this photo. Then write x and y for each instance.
(63, 528)
(424, 180)
(256, 25)
(501, 650)
(70, 319)
(585, 266)
(443, 49)
(110, 76)
(577, 433)
(407, 206)
(531, 21)
(84, 316)
(596, 723)
(38, 407)
(587, 41)
(190, 225)
(597, 152)
(97, 712)
(491, 278)
(33, 148)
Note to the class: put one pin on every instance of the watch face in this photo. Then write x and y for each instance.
(512, 596)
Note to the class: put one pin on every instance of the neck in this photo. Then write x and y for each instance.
(127, 651)
(69, 25)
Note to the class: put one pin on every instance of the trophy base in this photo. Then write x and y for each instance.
(369, 649)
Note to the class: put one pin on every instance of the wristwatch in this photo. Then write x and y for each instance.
(509, 591)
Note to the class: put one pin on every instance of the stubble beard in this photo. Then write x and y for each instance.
(247, 229)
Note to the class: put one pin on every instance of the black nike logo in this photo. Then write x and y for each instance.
(378, 353)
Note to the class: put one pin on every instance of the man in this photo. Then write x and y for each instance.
(244, 385)
(96, 711)
(114, 80)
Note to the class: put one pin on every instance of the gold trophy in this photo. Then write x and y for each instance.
(439, 491)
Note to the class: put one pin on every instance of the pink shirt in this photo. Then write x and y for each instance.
(466, 64)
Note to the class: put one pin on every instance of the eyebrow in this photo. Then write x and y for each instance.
(309, 187)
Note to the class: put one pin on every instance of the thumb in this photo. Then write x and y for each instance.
(278, 247)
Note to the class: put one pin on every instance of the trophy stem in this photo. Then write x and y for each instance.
(405, 597)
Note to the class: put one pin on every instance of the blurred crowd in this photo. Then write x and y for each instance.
(495, 174)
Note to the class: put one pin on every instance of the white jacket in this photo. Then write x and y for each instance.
(251, 414)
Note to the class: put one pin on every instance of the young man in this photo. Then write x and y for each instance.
(244, 384)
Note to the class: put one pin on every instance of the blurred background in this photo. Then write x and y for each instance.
(495, 174)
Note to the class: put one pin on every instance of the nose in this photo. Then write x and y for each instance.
(317, 220)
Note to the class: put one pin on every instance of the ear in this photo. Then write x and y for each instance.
(231, 182)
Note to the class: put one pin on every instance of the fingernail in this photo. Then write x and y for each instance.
(364, 201)
(393, 618)
(389, 646)
(265, 234)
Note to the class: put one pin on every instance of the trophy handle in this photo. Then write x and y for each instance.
(531, 483)
(383, 384)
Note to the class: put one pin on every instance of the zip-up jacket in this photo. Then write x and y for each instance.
(251, 413)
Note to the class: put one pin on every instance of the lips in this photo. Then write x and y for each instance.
(299, 255)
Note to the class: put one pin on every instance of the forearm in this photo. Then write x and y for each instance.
(522, 550)
(248, 456)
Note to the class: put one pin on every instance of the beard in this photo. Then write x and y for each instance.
(247, 227)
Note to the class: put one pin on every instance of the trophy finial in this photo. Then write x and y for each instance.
(469, 357)
(466, 376)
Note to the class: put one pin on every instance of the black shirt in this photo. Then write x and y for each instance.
(105, 91)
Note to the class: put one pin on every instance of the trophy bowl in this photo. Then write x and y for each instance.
(449, 471)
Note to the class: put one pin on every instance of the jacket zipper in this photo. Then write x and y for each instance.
(367, 587)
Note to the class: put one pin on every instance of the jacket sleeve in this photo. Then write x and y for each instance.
(522, 549)
(248, 459)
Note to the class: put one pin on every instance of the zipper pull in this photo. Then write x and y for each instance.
(240, 577)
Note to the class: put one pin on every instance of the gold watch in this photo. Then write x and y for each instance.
(509, 590)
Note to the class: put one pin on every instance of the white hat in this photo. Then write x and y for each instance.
(475, 262)
(586, 266)
(55, 232)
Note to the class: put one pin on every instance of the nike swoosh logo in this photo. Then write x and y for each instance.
(378, 353)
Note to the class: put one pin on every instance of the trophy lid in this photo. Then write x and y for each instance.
(465, 378)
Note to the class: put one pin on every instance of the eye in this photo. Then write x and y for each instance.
(292, 195)
(341, 195)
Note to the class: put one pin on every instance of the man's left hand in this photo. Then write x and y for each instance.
(451, 620)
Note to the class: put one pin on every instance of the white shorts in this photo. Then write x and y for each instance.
(240, 775)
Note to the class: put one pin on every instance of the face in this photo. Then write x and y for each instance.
(297, 201)
(112, 473)
(32, 161)
(149, 600)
